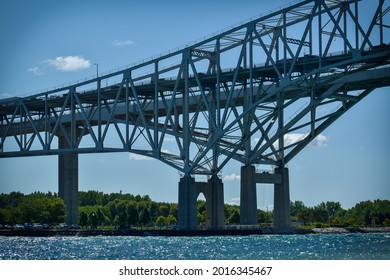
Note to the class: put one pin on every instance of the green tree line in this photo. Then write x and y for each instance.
(365, 213)
(37, 207)
(98, 209)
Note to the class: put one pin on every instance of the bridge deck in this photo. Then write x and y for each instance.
(37, 104)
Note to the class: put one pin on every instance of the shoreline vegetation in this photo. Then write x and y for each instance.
(43, 214)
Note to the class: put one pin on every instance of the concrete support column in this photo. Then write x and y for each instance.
(282, 201)
(189, 191)
(188, 212)
(68, 185)
(215, 211)
(248, 201)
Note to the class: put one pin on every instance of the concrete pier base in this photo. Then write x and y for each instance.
(281, 216)
(189, 191)
(188, 212)
(215, 212)
(248, 196)
(68, 186)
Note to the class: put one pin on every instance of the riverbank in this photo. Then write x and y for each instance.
(160, 232)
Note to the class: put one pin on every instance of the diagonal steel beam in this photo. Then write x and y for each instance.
(348, 105)
(140, 111)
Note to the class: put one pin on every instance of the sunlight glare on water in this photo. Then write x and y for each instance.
(271, 247)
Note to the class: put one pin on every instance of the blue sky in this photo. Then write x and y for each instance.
(49, 43)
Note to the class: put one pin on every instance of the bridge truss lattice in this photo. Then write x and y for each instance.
(237, 95)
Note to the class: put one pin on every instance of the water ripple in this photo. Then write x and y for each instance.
(315, 246)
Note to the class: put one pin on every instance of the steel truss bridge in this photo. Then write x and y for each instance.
(233, 96)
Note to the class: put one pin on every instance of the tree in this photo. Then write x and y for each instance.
(83, 219)
(202, 217)
(319, 215)
(352, 220)
(333, 209)
(101, 217)
(127, 209)
(56, 210)
(10, 200)
(304, 215)
(201, 206)
(144, 216)
(234, 217)
(113, 212)
(171, 220)
(337, 221)
(132, 213)
(153, 210)
(90, 198)
(116, 221)
(296, 207)
(381, 211)
(362, 212)
(163, 210)
(5, 216)
(229, 209)
(122, 213)
(33, 209)
(93, 220)
(262, 216)
(174, 210)
(16, 215)
(161, 221)
(40, 208)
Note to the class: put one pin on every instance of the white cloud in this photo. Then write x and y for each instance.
(35, 71)
(234, 201)
(292, 138)
(68, 63)
(139, 157)
(232, 177)
(320, 141)
(121, 43)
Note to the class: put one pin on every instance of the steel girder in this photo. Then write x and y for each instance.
(293, 73)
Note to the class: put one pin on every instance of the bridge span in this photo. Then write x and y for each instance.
(233, 96)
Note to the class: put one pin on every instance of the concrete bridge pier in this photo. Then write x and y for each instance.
(68, 186)
(189, 191)
(215, 211)
(248, 196)
(281, 215)
(188, 212)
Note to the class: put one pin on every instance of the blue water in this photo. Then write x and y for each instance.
(285, 247)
